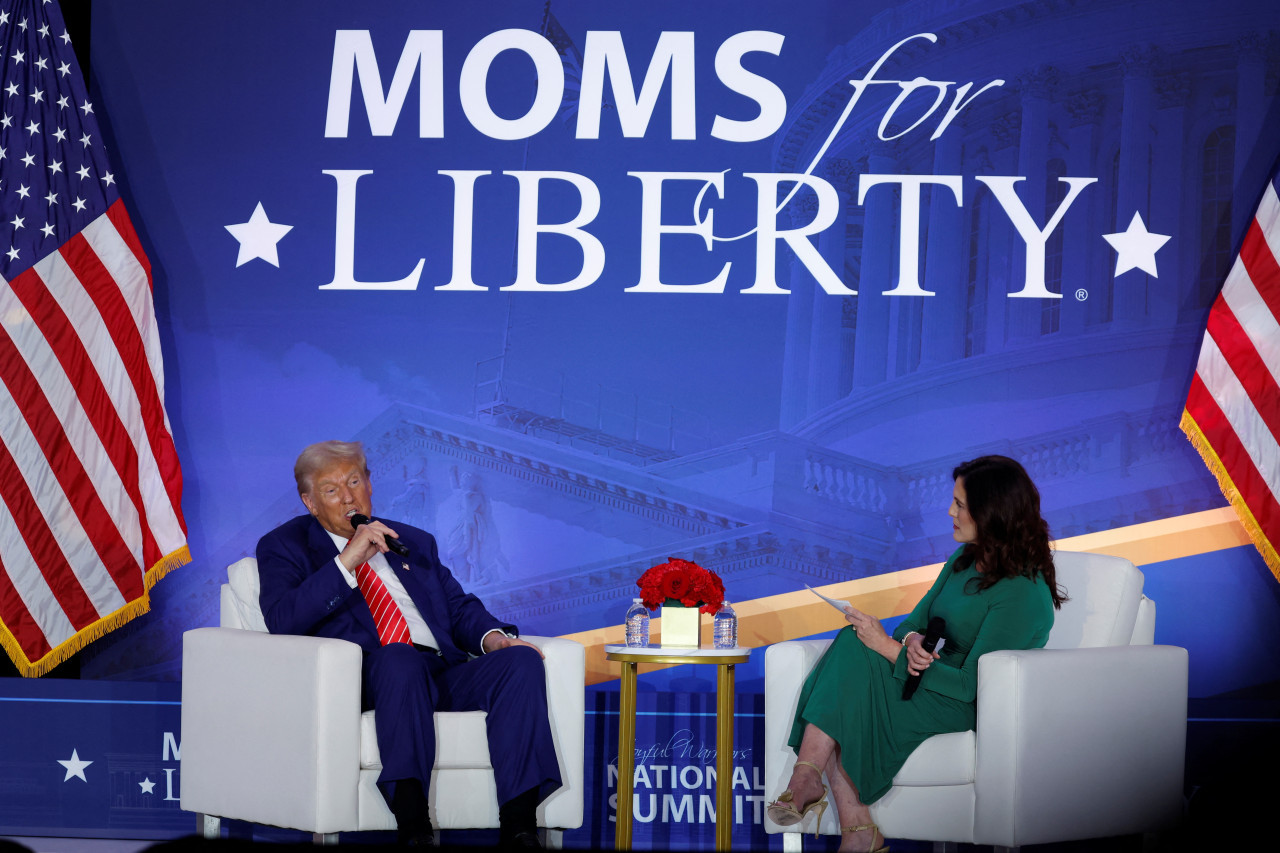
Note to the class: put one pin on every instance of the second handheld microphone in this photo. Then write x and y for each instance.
(932, 634)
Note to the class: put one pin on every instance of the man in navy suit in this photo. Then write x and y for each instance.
(448, 653)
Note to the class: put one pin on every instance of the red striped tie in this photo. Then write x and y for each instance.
(386, 613)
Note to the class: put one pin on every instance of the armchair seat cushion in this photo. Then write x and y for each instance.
(462, 742)
(946, 759)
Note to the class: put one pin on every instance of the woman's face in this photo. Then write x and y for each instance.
(963, 529)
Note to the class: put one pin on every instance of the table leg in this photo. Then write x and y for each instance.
(626, 757)
(724, 757)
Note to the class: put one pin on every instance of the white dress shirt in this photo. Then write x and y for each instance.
(419, 631)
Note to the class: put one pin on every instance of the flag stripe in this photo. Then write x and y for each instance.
(105, 293)
(17, 621)
(31, 527)
(1257, 321)
(1250, 432)
(123, 226)
(64, 286)
(87, 515)
(1260, 265)
(111, 460)
(1239, 466)
(38, 622)
(1256, 385)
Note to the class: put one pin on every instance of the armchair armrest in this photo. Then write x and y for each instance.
(786, 666)
(1067, 737)
(254, 708)
(566, 665)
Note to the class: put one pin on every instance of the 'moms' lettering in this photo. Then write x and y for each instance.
(672, 61)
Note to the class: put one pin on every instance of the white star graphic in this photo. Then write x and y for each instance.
(147, 786)
(75, 767)
(1136, 247)
(258, 238)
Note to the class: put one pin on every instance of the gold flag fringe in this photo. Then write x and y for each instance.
(98, 629)
(1230, 492)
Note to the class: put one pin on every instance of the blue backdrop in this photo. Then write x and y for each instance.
(601, 283)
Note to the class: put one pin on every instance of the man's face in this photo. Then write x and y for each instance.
(338, 492)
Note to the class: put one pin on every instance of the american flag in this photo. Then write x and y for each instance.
(90, 516)
(1233, 410)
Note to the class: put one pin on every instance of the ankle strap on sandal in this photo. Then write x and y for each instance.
(809, 764)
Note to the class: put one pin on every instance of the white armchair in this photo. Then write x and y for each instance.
(1085, 738)
(272, 732)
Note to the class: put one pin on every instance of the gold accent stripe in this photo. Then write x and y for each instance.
(775, 618)
(1227, 485)
(97, 629)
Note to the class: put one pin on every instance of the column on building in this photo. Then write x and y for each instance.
(797, 346)
(825, 349)
(1037, 88)
(946, 258)
(1002, 276)
(1176, 281)
(1081, 243)
(1251, 108)
(1133, 191)
(880, 223)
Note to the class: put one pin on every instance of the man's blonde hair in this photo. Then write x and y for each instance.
(321, 455)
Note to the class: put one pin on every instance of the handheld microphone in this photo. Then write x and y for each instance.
(393, 543)
(932, 634)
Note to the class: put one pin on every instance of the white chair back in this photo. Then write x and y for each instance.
(240, 605)
(1104, 594)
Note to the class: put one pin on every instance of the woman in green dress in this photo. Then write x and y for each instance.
(997, 591)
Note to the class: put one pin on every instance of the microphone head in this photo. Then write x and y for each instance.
(937, 625)
(357, 519)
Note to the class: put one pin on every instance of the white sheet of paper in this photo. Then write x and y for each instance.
(837, 603)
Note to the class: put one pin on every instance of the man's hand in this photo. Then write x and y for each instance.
(495, 640)
(369, 539)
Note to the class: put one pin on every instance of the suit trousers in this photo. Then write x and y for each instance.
(406, 685)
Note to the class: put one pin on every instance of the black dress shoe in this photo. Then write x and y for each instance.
(525, 839)
(420, 840)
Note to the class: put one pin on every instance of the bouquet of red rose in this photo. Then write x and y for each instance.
(681, 583)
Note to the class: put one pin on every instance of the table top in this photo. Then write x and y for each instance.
(657, 654)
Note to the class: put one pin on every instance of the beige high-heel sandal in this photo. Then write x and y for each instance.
(783, 811)
(875, 830)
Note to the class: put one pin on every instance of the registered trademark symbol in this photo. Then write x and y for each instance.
(1082, 295)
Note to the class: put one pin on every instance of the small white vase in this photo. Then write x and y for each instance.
(681, 627)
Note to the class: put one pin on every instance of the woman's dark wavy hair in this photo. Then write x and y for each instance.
(1012, 538)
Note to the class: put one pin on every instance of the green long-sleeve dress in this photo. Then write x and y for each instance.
(855, 694)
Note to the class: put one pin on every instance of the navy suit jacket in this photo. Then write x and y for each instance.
(303, 591)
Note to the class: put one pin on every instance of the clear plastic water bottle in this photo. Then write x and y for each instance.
(637, 624)
(725, 627)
